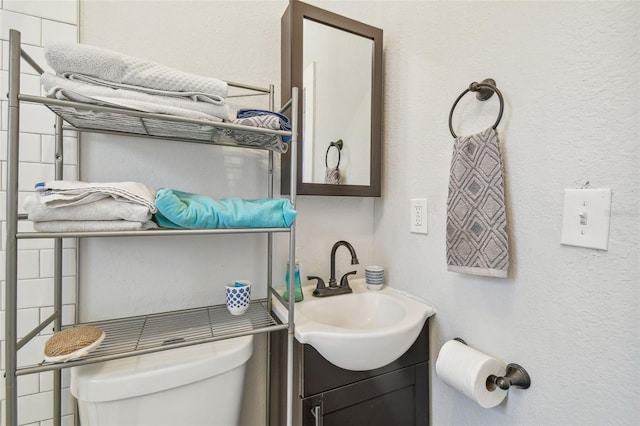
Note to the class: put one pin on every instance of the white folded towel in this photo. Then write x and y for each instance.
(65, 89)
(111, 67)
(92, 225)
(104, 209)
(59, 193)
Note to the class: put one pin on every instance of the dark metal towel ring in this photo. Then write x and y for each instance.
(337, 144)
(485, 89)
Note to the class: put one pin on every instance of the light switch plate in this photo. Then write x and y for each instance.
(585, 218)
(419, 216)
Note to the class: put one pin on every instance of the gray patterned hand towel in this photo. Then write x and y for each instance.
(477, 240)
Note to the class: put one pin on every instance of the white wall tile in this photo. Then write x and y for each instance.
(46, 380)
(31, 353)
(32, 173)
(36, 119)
(47, 263)
(3, 145)
(57, 10)
(29, 85)
(70, 172)
(4, 84)
(28, 264)
(57, 32)
(37, 54)
(30, 148)
(36, 407)
(27, 320)
(68, 317)
(46, 312)
(29, 27)
(68, 314)
(69, 289)
(3, 262)
(3, 115)
(35, 293)
(28, 384)
(70, 146)
(69, 149)
(5, 55)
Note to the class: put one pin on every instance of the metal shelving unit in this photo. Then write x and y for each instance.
(148, 333)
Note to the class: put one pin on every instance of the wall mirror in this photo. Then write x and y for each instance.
(337, 64)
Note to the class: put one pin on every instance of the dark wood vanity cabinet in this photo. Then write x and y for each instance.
(394, 395)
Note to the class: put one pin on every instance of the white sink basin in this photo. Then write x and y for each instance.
(362, 330)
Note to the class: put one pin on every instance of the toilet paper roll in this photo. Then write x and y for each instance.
(466, 370)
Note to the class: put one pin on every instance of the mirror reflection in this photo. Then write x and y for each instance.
(336, 100)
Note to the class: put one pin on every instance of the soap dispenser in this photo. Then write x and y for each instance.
(297, 284)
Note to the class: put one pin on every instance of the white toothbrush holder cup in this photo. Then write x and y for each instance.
(238, 297)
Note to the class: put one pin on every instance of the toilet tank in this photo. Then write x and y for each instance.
(193, 385)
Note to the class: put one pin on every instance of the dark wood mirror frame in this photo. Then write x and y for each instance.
(291, 76)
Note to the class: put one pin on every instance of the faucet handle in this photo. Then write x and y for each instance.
(319, 283)
(344, 281)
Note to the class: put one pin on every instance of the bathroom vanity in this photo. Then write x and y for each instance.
(324, 394)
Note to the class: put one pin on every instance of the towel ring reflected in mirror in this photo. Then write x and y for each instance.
(337, 145)
(484, 91)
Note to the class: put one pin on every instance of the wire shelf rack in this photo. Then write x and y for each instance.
(143, 334)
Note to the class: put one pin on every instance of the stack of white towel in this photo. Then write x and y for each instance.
(99, 76)
(74, 206)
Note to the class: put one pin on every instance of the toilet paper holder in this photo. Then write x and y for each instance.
(515, 375)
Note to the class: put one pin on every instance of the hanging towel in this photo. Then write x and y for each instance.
(113, 69)
(477, 240)
(184, 210)
(104, 209)
(60, 193)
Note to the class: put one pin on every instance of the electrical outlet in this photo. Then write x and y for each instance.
(418, 222)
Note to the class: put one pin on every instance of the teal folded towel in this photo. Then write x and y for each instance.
(183, 210)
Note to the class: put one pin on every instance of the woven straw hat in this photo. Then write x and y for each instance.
(72, 343)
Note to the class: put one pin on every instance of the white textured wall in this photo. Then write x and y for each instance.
(570, 76)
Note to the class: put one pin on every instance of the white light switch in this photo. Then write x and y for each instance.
(585, 218)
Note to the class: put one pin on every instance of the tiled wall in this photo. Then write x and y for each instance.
(39, 22)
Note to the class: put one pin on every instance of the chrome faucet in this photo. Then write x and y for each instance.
(335, 289)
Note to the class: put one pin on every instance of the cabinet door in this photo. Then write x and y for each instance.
(398, 398)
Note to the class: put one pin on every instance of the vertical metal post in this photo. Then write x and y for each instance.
(269, 274)
(292, 248)
(11, 295)
(57, 280)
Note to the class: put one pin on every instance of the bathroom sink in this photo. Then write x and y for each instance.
(362, 330)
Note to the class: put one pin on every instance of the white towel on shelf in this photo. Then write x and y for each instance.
(104, 209)
(92, 225)
(61, 88)
(59, 193)
(111, 67)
